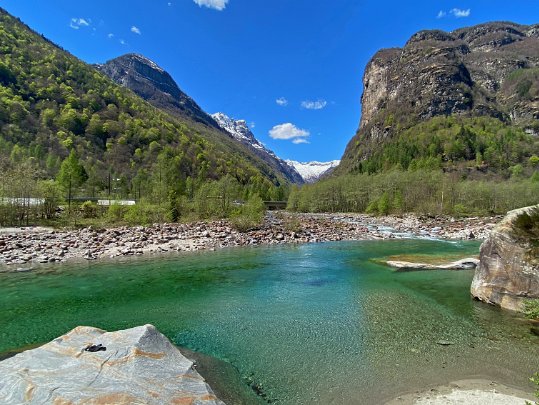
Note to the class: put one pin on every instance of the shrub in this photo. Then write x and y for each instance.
(89, 209)
(531, 309)
(250, 215)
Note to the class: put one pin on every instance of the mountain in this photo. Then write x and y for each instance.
(313, 171)
(240, 131)
(52, 103)
(148, 80)
(444, 87)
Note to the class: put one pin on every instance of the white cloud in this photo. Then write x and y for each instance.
(135, 30)
(314, 105)
(122, 42)
(76, 23)
(252, 124)
(282, 101)
(215, 4)
(110, 36)
(169, 4)
(457, 12)
(289, 131)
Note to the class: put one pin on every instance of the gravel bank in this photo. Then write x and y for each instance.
(20, 247)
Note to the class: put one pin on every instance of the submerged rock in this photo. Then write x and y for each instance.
(463, 264)
(508, 272)
(137, 365)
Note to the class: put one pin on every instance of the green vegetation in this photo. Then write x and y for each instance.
(61, 119)
(531, 309)
(421, 191)
(535, 380)
(482, 145)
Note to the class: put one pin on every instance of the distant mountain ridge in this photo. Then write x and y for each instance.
(151, 82)
(313, 171)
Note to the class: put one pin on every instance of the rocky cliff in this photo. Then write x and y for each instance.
(89, 365)
(508, 271)
(487, 70)
(154, 85)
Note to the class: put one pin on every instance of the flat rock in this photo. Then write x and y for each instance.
(139, 365)
(463, 264)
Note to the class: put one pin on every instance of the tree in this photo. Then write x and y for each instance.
(71, 174)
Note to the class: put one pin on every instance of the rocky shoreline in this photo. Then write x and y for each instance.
(22, 247)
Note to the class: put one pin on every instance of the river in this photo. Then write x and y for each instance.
(308, 324)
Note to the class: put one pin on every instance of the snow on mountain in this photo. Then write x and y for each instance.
(239, 130)
(312, 171)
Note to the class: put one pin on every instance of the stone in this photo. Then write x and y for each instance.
(139, 365)
(508, 272)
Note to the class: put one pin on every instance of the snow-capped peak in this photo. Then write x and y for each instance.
(312, 171)
(237, 128)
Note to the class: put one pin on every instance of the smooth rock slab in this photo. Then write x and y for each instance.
(139, 366)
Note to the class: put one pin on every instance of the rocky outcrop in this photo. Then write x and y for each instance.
(137, 365)
(508, 271)
(485, 70)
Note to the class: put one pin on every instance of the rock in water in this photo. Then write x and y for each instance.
(139, 365)
(508, 271)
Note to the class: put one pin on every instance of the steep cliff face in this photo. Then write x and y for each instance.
(486, 70)
(155, 85)
(508, 271)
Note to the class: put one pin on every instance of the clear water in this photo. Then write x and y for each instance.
(310, 324)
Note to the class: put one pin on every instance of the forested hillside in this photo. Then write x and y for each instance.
(53, 105)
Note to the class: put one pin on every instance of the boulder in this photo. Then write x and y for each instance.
(508, 271)
(92, 366)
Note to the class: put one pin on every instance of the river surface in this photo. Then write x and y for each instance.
(308, 324)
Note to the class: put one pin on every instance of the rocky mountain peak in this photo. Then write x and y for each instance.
(151, 82)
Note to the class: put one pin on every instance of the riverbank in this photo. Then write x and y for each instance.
(470, 392)
(21, 247)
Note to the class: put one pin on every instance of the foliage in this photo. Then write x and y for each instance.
(420, 191)
(89, 209)
(448, 142)
(249, 215)
(531, 309)
(535, 379)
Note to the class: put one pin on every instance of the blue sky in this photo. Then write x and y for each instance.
(291, 68)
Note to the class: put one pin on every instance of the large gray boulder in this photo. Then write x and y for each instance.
(508, 271)
(139, 366)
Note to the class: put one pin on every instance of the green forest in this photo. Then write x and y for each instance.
(68, 131)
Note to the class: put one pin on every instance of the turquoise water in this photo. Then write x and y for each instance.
(309, 324)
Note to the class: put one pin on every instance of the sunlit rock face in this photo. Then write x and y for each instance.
(133, 366)
(508, 272)
(485, 70)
